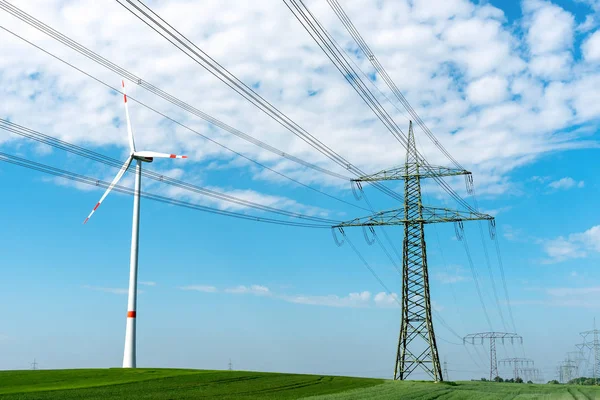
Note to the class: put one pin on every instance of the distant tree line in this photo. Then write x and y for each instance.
(511, 380)
(584, 381)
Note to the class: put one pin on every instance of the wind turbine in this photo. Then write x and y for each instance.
(139, 157)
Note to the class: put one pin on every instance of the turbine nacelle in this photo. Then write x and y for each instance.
(148, 156)
(144, 159)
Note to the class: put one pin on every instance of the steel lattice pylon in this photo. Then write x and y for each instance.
(416, 345)
(416, 304)
(470, 338)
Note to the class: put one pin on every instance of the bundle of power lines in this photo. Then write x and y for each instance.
(347, 67)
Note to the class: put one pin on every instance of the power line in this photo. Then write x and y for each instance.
(172, 35)
(362, 44)
(501, 265)
(491, 273)
(189, 128)
(340, 60)
(69, 147)
(65, 40)
(476, 279)
(18, 161)
(366, 264)
(389, 292)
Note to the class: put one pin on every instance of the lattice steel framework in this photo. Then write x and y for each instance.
(492, 336)
(591, 341)
(416, 345)
(529, 374)
(519, 365)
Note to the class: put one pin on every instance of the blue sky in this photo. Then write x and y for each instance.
(513, 101)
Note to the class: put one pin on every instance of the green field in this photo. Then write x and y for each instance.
(197, 384)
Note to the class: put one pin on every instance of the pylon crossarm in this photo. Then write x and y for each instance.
(430, 215)
(410, 171)
(492, 335)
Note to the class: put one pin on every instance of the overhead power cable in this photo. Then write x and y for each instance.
(172, 35)
(491, 273)
(364, 47)
(92, 155)
(122, 72)
(22, 162)
(390, 293)
(476, 279)
(340, 60)
(501, 265)
(129, 97)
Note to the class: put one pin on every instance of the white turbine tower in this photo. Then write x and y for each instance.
(140, 157)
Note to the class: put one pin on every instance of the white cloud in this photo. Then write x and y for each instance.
(147, 283)
(440, 55)
(591, 47)
(354, 299)
(454, 275)
(587, 25)
(488, 90)
(594, 4)
(383, 299)
(253, 289)
(566, 183)
(200, 288)
(550, 28)
(361, 299)
(576, 245)
(549, 66)
(511, 233)
(108, 290)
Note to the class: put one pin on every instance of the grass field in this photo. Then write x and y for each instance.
(195, 384)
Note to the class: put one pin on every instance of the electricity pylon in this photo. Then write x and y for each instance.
(518, 364)
(492, 336)
(446, 370)
(566, 371)
(577, 358)
(529, 374)
(591, 341)
(416, 344)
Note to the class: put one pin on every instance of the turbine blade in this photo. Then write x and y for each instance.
(112, 184)
(154, 154)
(129, 130)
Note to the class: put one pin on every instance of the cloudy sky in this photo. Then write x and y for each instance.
(509, 88)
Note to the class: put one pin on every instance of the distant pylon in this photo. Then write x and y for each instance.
(492, 336)
(34, 365)
(518, 364)
(591, 341)
(446, 370)
(230, 365)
